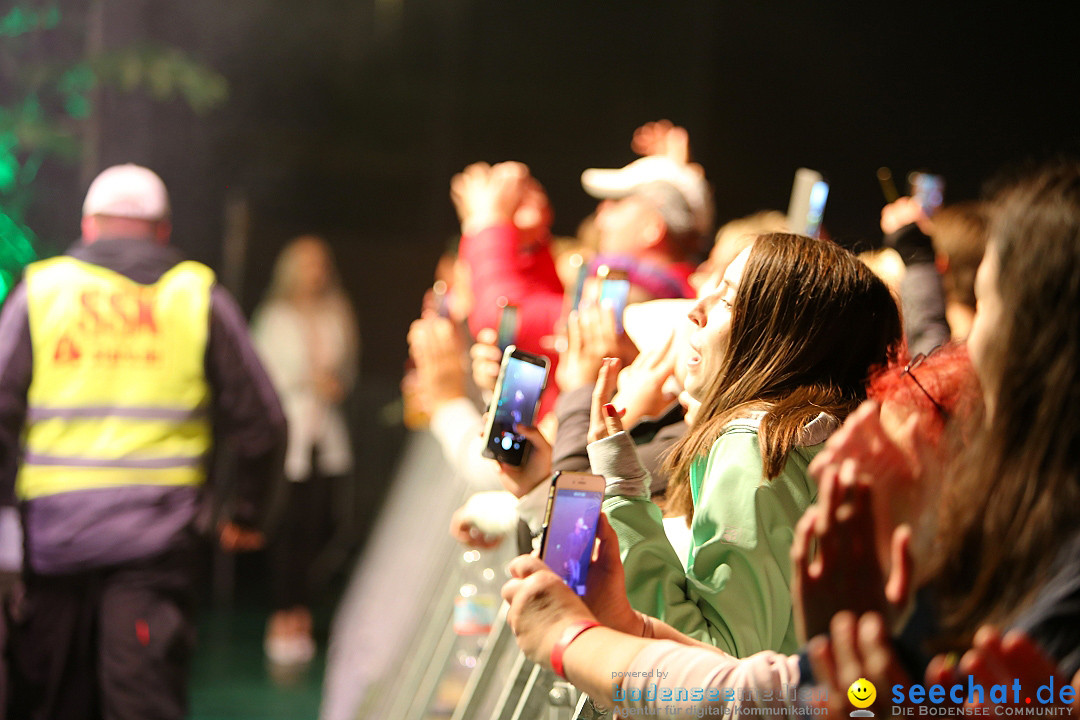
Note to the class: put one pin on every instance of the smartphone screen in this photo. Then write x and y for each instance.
(508, 324)
(570, 526)
(517, 395)
(579, 285)
(819, 193)
(928, 190)
(614, 291)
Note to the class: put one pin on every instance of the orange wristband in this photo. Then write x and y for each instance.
(569, 635)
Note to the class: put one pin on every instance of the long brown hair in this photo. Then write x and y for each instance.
(1013, 497)
(809, 323)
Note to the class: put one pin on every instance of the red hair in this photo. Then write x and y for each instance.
(947, 376)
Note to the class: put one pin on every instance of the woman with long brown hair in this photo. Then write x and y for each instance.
(1009, 531)
(782, 353)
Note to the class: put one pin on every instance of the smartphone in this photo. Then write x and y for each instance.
(888, 187)
(573, 513)
(521, 381)
(579, 283)
(806, 208)
(928, 190)
(614, 291)
(508, 324)
(442, 299)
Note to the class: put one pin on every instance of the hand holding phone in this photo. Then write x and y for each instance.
(521, 381)
(570, 523)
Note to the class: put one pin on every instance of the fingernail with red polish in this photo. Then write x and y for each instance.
(610, 410)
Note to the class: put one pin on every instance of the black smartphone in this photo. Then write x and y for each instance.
(521, 381)
(508, 324)
(570, 522)
(614, 291)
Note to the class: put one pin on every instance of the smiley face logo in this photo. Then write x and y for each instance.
(862, 693)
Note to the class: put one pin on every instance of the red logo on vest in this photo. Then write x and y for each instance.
(66, 351)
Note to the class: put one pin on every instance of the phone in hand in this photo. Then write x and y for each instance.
(614, 291)
(442, 298)
(570, 522)
(928, 190)
(508, 324)
(521, 381)
(806, 208)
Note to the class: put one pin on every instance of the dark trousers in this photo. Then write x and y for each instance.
(305, 526)
(113, 643)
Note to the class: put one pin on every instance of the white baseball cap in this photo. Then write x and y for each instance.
(688, 180)
(127, 191)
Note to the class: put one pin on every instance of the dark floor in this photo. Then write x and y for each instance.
(231, 679)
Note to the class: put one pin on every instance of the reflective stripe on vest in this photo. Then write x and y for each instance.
(119, 394)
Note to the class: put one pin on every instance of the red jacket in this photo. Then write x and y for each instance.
(502, 267)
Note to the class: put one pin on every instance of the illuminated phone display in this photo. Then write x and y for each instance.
(570, 534)
(517, 395)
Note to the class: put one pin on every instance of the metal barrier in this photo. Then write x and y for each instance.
(507, 686)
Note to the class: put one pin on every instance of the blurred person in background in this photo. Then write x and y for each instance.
(505, 245)
(732, 238)
(306, 333)
(959, 238)
(119, 363)
(654, 213)
(1006, 547)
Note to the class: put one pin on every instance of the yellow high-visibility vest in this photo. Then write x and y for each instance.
(118, 394)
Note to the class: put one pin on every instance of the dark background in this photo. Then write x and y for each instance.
(348, 117)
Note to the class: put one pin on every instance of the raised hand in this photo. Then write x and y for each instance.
(486, 359)
(436, 348)
(902, 212)
(641, 383)
(486, 195)
(590, 337)
(856, 647)
(836, 566)
(604, 418)
(662, 138)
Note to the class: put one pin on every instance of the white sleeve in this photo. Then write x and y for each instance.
(458, 426)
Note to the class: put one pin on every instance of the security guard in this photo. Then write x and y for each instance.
(119, 363)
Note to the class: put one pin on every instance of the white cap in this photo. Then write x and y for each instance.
(689, 180)
(128, 191)
(650, 324)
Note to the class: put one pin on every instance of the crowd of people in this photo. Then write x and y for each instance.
(816, 474)
(823, 472)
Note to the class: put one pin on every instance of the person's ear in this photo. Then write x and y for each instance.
(162, 231)
(898, 584)
(654, 232)
(89, 228)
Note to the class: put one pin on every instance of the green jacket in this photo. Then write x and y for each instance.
(735, 592)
